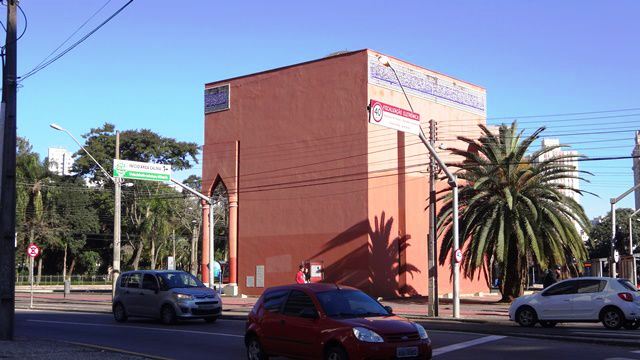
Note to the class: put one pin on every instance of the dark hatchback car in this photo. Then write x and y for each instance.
(327, 321)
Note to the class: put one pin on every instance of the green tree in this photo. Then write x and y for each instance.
(144, 220)
(512, 209)
(599, 244)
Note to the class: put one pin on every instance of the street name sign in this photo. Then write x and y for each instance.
(33, 250)
(394, 117)
(136, 170)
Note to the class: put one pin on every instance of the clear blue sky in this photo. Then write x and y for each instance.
(147, 67)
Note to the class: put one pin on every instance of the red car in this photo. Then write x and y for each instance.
(327, 321)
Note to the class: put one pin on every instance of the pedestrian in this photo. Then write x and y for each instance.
(551, 277)
(300, 278)
(307, 275)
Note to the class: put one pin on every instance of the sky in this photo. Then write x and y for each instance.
(147, 67)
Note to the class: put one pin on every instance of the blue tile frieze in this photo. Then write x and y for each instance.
(216, 99)
(427, 86)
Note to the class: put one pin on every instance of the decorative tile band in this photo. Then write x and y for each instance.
(428, 87)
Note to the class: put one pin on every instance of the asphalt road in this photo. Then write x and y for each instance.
(224, 339)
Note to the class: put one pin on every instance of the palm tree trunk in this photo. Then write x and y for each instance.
(71, 267)
(514, 280)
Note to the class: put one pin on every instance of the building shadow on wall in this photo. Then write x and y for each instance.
(375, 266)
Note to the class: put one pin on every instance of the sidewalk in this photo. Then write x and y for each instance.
(478, 308)
(22, 348)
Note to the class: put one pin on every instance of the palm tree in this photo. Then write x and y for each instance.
(513, 209)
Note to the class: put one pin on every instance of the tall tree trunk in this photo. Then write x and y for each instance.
(515, 275)
(64, 263)
(153, 253)
(195, 234)
(39, 266)
(136, 259)
(73, 265)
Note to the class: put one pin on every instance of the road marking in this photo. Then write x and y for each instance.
(137, 327)
(636, 351)
(466, 344)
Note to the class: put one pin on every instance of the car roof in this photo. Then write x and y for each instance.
(153, 271)
(313, 287)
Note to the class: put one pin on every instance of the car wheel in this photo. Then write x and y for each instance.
(526, 316)
(119, 313)
(211, 319)
(254, 350)
(612, 318)
(336, 353)
(548, 324)
(631, 325)
(168, 315)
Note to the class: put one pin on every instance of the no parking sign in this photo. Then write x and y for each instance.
(33, 250)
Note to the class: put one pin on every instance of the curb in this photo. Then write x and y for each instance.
(233, 315)
(115, 350)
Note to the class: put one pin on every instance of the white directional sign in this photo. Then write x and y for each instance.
(141, 171)
(394, 117)
(33, 250)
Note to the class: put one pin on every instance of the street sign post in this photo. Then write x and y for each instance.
(136, 170)
(32, 250)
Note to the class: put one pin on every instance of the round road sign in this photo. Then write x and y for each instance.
(377, 112)
(458, 255)
(33, 250)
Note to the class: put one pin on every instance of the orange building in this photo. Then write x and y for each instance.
(310, 180)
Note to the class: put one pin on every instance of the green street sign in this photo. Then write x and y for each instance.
(136, 170)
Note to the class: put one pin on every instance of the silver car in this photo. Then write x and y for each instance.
(166, 295)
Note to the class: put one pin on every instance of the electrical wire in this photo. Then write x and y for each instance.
(64, 52)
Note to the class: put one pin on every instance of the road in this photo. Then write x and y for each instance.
(224, 340)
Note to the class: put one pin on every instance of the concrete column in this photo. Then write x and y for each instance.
(233, 239)
(205, 243)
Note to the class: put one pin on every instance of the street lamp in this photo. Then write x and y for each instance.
(453, 182)
(116, 213)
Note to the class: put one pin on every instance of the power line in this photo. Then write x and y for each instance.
(54, 59)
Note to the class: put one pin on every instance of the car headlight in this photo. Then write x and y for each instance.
(367, 335)
(421, 331)
(184, 297)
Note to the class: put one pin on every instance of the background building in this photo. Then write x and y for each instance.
(310, 180)
(60, 161)
(636, 168)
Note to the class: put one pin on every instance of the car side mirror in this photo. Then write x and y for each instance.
(309, 313)
(389, 309)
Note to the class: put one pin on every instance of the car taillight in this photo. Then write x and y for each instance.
(626, 296)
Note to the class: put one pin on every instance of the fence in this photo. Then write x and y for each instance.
(58, 280)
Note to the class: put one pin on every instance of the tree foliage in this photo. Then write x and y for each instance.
(599, 244)
(513, 211)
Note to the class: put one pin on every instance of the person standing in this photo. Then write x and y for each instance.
(300, 279)
(307, 275)
(550, 278)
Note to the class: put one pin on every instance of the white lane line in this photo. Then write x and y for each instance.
(636, 351)
(137, 327)
(466, 344)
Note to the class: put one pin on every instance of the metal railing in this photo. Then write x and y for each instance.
(58, 280)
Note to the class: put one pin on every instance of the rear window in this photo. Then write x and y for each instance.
(134, 280)
(627, 284)
(273, 300)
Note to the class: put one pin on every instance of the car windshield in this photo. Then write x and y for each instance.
(627, 284)
(175, 280)
(350, 303)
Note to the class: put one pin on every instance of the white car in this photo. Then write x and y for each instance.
(614, 302)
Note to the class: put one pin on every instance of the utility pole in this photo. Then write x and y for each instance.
(173, 237)
(431, 248)
(116, 223)
(8, 182)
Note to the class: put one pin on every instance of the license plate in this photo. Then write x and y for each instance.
(408, 351)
